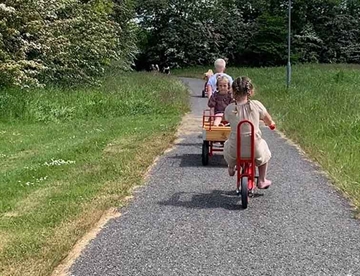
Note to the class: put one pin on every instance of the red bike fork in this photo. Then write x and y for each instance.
(246, 167)
(246, 170)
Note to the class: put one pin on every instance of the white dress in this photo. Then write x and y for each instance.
(254, 111)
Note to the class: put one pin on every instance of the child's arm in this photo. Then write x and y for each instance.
(268, 120)
(209, 90)
(212, 102)
(264, 115)
(212, 105)
(209, 86)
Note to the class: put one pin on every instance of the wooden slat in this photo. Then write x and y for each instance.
(216, 128)
(218, 134)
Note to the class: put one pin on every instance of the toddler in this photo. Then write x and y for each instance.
(207, 76)
(220, 99)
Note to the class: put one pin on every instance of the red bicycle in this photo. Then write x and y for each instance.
(246, 166)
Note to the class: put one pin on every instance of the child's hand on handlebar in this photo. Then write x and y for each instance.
(272, 125)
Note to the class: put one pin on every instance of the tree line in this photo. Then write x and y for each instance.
(248, 32)
(70, 41)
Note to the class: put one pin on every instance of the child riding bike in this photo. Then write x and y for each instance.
(246, 109)
(206, 77)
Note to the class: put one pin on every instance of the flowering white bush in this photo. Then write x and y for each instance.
(66, 40)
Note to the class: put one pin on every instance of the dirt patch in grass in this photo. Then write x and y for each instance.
(30, 202)
(4, 240)
(120, 145)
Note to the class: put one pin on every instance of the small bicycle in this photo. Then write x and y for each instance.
(245, 182)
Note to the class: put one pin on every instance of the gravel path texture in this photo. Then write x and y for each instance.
(187, 219)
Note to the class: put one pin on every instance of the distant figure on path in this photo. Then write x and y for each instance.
(166, 70)
(220, 66)
(154, 67)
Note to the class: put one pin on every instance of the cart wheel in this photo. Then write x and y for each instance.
(244, 192)
(205, 153)
(203, 93)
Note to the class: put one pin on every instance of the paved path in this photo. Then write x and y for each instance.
(187, 220)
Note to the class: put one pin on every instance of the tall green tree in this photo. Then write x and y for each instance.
(268, 42)
(184, 33)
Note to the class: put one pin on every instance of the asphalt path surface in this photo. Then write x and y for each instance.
(187, 219)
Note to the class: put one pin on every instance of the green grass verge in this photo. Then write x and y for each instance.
(66, 156)
(320, 112)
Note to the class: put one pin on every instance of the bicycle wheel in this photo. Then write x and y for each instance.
(205, 153)
(244, 192)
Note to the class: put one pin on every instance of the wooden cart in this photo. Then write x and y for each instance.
(212, 134)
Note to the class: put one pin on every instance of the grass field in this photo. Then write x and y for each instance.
(320, 112)
(66, 156)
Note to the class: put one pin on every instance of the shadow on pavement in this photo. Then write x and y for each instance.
(228, 200)
(198, 96)
(197, 145)
(194, 160)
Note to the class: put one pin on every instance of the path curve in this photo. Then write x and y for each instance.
(187, 221)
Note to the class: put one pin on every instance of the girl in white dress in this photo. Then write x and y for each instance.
(245, 109)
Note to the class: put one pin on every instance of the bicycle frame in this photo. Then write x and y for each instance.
(245, 166)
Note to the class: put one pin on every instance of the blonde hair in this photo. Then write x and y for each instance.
(208, 74)
(222, 79)
(220, 63)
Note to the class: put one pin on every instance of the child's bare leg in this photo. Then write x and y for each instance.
(231, 170)
(263, 182)
(212, 113)
(229, 158)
